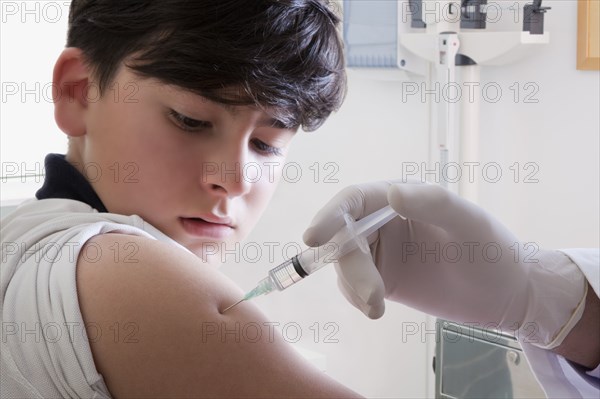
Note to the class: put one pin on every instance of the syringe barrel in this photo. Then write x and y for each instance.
(345, 240)
(312, 259)
(286, 274)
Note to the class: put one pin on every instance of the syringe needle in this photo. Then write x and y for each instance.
(229, 307)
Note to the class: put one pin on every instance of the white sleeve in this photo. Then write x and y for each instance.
(558, 377)
(45, 347)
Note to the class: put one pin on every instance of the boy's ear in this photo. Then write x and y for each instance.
(69, 92)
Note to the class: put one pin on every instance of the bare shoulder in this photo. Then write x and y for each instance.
(163, 335)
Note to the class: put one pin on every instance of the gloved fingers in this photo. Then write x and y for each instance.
(357, 200)
(435, 205)
(352, 297)
(373, 312)
(361, 280)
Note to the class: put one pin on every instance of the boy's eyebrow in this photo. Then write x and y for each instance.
(233, 110)
(228, 107)
(268, 122)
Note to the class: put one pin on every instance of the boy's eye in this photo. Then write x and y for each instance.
(265, 148)
(188, 124)
(194, 125)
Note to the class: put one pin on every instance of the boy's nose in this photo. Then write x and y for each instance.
(225, 175)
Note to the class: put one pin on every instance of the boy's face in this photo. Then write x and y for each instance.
(200, 172)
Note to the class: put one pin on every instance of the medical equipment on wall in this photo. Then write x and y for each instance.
(353, 235)
(445, 42)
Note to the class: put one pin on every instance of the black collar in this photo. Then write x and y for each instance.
(64, 181)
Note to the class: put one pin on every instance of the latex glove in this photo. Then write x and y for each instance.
(452, 259)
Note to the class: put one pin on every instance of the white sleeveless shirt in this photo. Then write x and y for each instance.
(45, 349)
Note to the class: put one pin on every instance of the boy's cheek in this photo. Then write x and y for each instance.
(271, 172)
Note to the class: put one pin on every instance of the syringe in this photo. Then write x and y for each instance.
(353, 235)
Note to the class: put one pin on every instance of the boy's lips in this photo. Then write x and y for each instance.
(208, 226)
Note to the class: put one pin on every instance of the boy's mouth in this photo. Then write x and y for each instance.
(200, 227)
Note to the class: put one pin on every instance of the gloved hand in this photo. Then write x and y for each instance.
(452, 259)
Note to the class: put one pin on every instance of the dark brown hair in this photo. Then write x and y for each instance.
(284, 55)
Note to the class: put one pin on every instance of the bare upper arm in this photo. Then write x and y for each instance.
(163, 334)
